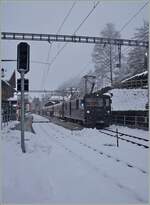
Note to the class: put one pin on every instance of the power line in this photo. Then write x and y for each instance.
(59, 29)
(69, 12)
(94, 7)
(133, 16)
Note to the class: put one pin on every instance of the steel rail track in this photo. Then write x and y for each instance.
(132, 136)
(102, 153)
(139, 144)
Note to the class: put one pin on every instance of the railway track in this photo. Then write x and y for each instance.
(109, 132)
(96, 150)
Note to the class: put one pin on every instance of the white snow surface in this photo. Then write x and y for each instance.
(129, 99)
(66, 166)
(137, 75)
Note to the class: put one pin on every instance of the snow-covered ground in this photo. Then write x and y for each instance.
(67, 166)
(129, 99)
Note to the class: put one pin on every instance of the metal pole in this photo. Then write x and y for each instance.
(22, 112)
(119, 51)
(85, 85)
(117, 137)
(111, 78)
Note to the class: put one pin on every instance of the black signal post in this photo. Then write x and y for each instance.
(23, 54)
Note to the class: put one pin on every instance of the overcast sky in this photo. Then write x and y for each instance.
(46, 17)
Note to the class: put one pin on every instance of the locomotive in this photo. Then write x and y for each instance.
(92, 110)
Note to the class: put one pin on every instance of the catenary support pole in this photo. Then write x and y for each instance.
(111, 77)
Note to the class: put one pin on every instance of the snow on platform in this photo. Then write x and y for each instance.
(129, 99)
(66, 166)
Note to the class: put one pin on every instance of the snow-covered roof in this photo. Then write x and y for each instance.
(56, 98)
(129, 99)
(13, 98)
(137, 75)
(8, 73)
(108, 94)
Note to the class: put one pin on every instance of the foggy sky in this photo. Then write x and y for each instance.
(46, 17)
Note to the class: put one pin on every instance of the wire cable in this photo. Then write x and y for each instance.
(69, 12)
(61, 49)
(94, 7)
(59, 29)
(133, 16)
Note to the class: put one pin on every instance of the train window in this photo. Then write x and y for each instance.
(82, 104)
(94, 102)
(107, 103)
(77, 104)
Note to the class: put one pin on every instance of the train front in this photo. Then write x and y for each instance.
(97, 110)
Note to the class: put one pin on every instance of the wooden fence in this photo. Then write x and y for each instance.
(137, 121)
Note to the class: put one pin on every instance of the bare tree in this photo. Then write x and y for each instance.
(137, 59)
(105, 58)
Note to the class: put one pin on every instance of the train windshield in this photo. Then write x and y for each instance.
(94, 102)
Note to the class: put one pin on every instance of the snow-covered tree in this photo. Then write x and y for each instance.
(137, 61)
(105, 56)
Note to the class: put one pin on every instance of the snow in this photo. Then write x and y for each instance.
(77, 166)
(137, 75)
(14, 98)
(129, 99)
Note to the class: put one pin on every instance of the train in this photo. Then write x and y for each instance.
(92, 110)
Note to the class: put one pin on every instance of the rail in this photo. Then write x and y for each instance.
(107, 132)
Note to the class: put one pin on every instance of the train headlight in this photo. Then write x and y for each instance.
(88, 111)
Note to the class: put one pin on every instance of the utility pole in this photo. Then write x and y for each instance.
(119, 53)
(111, 77)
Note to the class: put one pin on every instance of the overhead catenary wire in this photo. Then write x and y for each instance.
(83, 21)
(133, 16)
(66, 17)
(95, 5)
(59, 29)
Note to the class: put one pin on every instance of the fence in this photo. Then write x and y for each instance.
(7, 117)
(133, 121)
(143, 83)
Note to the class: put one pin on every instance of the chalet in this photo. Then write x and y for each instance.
(8, 85)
